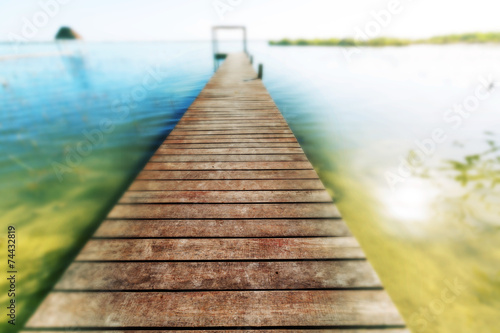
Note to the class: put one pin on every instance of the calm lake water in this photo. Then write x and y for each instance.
(405, 139)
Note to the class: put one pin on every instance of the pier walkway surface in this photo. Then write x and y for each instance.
(228, 227)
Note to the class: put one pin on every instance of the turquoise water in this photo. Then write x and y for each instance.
(78, 121)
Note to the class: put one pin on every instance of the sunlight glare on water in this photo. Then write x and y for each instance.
(411, 203)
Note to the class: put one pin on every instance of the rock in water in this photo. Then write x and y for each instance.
(67, 33)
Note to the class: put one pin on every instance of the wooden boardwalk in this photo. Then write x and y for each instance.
(228, 227)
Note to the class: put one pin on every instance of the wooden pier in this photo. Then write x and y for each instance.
(228, 227)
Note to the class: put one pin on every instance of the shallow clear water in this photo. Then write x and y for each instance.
(425, 208)
(77, 122)
(73, 137)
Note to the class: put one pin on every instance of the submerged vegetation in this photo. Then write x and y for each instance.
(474, 199)
(478, 171)
(469, 38)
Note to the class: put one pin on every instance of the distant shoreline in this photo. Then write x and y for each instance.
(469, 38)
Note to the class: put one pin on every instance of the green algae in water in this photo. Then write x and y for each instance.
(434, 239)
(73, 137)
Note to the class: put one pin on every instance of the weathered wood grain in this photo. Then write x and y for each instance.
(226, 185)
(243, 165)
(253, 330)
(221, 151)
(228, 174)
(222, 228)
(232, 123)
(224, 211)
(254, 136)
(229, 140)
(217, 309)
(214, 117)
(166, 145)
(198, 249)
(232, 132)
(219, 275)
(228, 158)
(224, 196)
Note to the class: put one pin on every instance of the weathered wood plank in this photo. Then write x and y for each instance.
(197, 249)
(228, 140)
(248, 108)
(210, 117)
(230, 111)
(232, 132)
(333, 330)
(199, 124)
(219, 275)
(238, 105)
(223, 185)
(231, 136)
(227, 158)
(217, 309)
(224, 211)
(252, 117)
(237, 122)
(201, 151)
(225, 115)
(228, 174)
(275, 115)
(231, 127)
(224, 196)
(300, 165)
(222, 228)
(231, 145)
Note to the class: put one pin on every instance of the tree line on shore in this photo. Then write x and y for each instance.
(469, 38)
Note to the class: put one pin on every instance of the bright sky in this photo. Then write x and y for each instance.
(97, 20)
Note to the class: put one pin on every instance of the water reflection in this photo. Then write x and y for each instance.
(76, 66)
(411, 203)
(73, 57)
